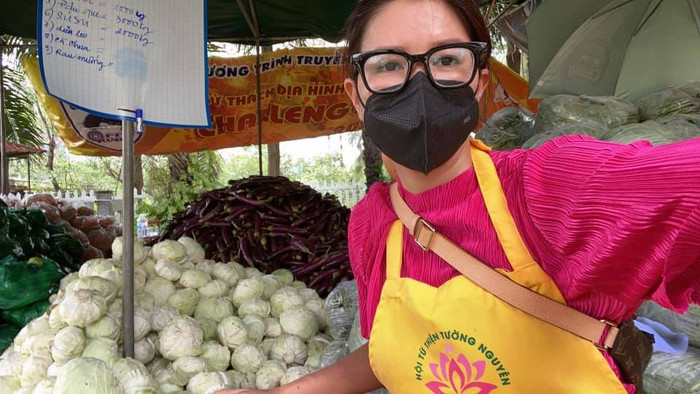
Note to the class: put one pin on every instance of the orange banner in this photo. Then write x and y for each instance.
(302, 97)
(506, 89)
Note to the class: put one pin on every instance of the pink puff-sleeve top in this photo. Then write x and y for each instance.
(613, 225)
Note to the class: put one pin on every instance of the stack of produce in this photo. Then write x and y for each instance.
(34, 255)
(667, 116)
(199, 325)
(27, 233)
(271, 223)
(507, 129)
(95, 233)
(674, 373)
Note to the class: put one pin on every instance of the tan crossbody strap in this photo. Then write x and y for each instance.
(526, 300)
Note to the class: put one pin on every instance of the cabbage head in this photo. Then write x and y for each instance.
(232, 332)
(247, 359)
(107, 327)
(256, 328)
(214, 289)
(161, 316)
(284, 299)
(184, 301)
(169, 250)
(105, 287)
(252, 273)
(271, 284)
(9, 384)
(299, 321)
(86, 375)
(294, 373)
(34, 370)
(161, 289)
(182, 337)
(289, 348)
(226, 273)
(158, 364)
(11, 363)
(68, 343)
(142, 323)
(216, 309)
(55, 321)
(270, 374)
(205, 265)
(133, 377)
(45, 386)
(216, 356)
(273, 328)
(33, 328)
(168, 270)
(144, 350)
(82, 307)
(67, 280)
(208, 383)
(187, 367)
(194, 278)
(309, 294)
(318, 307)
(104, 349)
(284, 275)
(245, 290)
(254, 306)
(104, 268)
(209, 328)
(195, 253)
(266, 346)
(140, 252)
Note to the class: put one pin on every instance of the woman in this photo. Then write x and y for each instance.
(609, 225)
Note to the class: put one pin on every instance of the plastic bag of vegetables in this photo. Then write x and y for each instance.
(666, 103)
(561, 110)
(507, 129)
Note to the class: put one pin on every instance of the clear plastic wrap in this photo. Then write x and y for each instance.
(507, 129)
(341, 307)
(561, 110)
(586, 128)
(334, 352)
(667, 102)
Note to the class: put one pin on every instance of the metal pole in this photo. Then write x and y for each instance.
(258, 96)
(3, 153)
(128, 238)
(29, 174)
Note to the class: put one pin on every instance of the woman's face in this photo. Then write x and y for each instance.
(414, 26)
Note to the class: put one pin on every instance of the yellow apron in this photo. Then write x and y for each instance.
(458, 338)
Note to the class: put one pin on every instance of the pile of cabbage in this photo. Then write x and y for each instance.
(200, 326)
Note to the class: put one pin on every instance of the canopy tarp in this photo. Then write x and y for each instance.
(278, 21)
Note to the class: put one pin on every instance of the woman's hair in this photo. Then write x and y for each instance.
(364, 10)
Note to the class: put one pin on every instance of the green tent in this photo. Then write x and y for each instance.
(229, 20)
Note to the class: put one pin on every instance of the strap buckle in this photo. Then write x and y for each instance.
(601, 345)
(420, 224)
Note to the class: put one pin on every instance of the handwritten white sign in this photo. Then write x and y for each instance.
(103, 55)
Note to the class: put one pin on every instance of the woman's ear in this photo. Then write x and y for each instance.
(483, 83)
(353, 94)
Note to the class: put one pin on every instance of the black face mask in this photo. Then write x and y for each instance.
(421, 127)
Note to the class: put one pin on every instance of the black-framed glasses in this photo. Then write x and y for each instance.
(449, 66)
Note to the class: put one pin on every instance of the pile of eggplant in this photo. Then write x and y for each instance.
(271, 223)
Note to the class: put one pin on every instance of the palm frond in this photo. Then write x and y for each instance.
(20, 118)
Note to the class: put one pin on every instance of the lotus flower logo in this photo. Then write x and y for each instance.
(455, 374)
